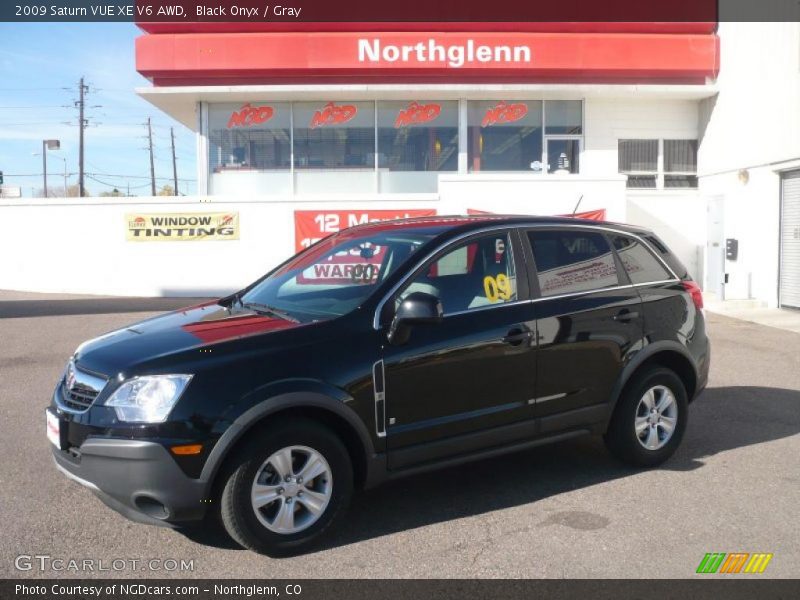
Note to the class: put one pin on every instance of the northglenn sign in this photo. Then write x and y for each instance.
(230, 58)
(454, 55)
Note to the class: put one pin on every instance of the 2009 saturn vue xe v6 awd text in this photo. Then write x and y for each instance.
(381, 351)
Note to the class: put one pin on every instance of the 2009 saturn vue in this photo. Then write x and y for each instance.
(384, 350)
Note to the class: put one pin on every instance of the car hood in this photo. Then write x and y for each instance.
(179, 331)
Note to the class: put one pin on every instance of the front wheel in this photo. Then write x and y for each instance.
(286, 487)
(648, 423)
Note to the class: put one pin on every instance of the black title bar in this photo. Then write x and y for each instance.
(711, 588)
(403, 11)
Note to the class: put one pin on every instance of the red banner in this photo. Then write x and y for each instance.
(311, 226)
(594, 215)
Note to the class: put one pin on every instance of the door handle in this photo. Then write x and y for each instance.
(626, 315)
(516, 336)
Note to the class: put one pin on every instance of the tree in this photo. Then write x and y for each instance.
(58, 192)
(113, 193)
(166, 190)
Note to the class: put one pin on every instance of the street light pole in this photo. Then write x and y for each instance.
(44, 165)
(52, 145)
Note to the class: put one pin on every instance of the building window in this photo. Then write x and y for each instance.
(639, 160)
(418, 136)
(252, 136)
(680, 163)
(334, 135)
(563, 117)
(416, 140)
(505, 136)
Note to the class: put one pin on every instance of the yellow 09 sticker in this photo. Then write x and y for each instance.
(497, 288)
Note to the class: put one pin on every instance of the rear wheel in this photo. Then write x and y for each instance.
(650, 418)
(287, 486)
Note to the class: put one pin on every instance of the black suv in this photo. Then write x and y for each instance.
(384, 350)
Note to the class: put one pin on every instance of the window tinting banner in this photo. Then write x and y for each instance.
(181, 227)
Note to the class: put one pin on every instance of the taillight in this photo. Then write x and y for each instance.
(695, 292)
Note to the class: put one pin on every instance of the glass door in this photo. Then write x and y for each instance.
(563, 154)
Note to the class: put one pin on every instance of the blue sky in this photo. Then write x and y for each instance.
(40, 65)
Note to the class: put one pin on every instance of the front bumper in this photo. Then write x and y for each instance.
(137, 478)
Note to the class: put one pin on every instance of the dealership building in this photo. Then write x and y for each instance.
(692, 129)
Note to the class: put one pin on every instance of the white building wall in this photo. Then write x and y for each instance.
(678, 216)
(752, 126)
(79, 245)
(609, 119)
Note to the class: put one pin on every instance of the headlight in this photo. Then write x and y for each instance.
(148, 399)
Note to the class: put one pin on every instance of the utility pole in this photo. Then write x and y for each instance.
(152, 166)
(174, 163)
(82, 123)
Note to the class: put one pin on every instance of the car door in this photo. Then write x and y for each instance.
(453, 385)
(589, 322)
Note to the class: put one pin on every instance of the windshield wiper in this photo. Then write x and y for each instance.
(268, 310)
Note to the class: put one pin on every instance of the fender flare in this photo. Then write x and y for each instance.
(275, 403)
(640, 358)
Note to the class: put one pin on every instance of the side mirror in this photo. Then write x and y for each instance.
(418, 308)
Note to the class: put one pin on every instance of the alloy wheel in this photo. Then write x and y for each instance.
(656, 417)
(292, 489)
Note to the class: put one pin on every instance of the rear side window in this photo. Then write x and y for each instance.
(572, 261)
(668, 257)
(639, 262)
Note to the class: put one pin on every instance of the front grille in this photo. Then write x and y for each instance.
(79, 389)
(78, 398)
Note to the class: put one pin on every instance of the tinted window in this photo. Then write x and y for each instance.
(250, 136)
(563, 117)
(418, 136)
(639, 262)
(473, 275)
(505, 136)
(572, 261)
(334, 135)
(667, 256)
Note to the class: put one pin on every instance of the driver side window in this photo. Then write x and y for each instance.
(474, 274)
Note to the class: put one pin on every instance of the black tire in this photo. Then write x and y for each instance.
(621, 438)
(236, 510)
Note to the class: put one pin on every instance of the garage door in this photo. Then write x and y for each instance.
(790, 239)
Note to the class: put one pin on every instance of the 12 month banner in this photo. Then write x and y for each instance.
(181, 227)
(310, 226)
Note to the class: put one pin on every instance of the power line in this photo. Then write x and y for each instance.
(34, 106)
(114, 185)
(98, 174)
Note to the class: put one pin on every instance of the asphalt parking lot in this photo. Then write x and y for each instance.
(567, 510)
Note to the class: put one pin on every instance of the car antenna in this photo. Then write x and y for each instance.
(574, 210)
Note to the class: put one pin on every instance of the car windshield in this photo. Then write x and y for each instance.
(335, 275)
